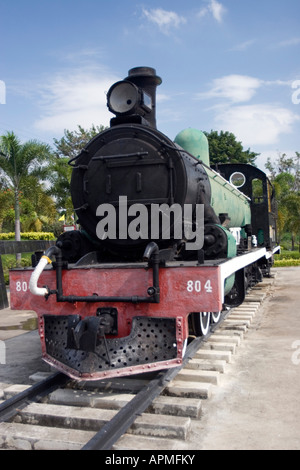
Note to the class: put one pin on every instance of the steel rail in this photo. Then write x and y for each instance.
(10, 407)
(115, 428)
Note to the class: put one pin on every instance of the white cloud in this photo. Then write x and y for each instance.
(203, 12)
(161, 97)
(257, 124)
(164, 19)
(252, 123)
(290, 42)
(273, 155)
(215, 8)
(243, 45)
(236, 88)
(75, 97)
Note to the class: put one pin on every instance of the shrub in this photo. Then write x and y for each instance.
(287, 258)
(9, 262)
(285, 254)
(28, 236)
(286, 262)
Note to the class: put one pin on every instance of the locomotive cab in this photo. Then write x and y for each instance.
(256, 185)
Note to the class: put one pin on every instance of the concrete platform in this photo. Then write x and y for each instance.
(20, 349)
(23, 358)
(257, 406)
(15, 323)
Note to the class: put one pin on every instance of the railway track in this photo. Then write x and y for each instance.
(152, 412)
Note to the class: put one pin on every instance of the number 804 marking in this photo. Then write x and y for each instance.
(196, 286)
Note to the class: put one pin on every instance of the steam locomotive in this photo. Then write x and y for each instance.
(165, 243)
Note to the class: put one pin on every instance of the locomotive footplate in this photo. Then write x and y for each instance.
(80, 346)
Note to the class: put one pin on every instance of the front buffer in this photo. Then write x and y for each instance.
(116, 319)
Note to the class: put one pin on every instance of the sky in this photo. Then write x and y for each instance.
(231, 65)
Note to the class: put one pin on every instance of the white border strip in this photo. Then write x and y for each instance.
(232, 265)
(271, 253)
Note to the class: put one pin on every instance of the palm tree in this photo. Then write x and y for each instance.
(18, 162)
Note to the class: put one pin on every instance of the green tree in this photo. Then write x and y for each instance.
(224, 148)
(285, 176)
(6, 202)
(37, 208)
(292, 222)
(18, 162)
(287, 166)
(71, 144)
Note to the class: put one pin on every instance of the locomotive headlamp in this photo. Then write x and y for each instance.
(132, 100)
(122, 97)
(126, 98)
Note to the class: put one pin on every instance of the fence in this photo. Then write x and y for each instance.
(14, 247)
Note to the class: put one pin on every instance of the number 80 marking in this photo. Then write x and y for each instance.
(195, 286)
(21, 286)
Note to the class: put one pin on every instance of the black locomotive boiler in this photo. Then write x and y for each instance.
(164, 243)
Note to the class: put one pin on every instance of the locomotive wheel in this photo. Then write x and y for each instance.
(200, 323)
(215, 317)
(204, 322)
(184, 347)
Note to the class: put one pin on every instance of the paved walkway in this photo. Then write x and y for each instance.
(20, 347)
(257, 405)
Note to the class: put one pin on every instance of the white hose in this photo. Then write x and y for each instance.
(33, 287)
